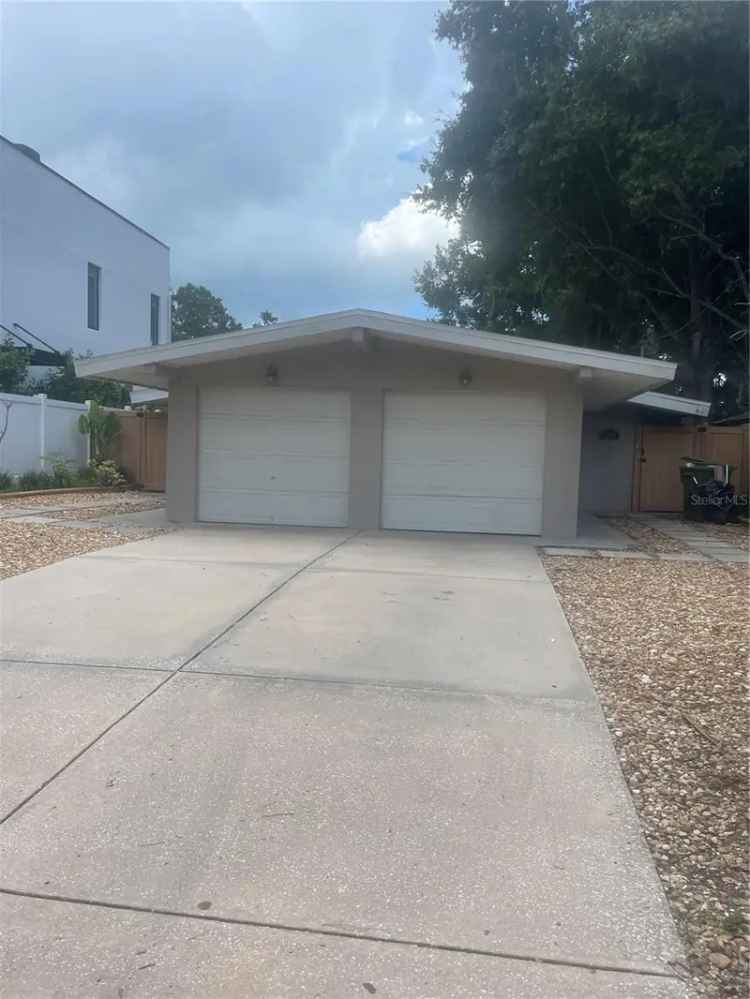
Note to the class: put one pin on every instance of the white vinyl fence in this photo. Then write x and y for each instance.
(40, 428)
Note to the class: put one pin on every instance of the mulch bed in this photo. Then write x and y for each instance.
(667, 645)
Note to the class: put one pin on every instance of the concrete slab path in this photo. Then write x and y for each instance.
(705, 545)
(282, 763)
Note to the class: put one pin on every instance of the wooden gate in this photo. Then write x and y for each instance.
(141, 447)
(659, 466)
(656, 482)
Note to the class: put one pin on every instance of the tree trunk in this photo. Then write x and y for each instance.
(701, 373)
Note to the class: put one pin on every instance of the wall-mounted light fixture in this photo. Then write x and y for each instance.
(465, 378)
(272, 375)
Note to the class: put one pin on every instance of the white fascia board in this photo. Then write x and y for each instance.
(672, 403)
(139, 394)
(518, 348)
(327, 328)
(204, 349)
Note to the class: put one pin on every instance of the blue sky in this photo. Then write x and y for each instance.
(273, 146)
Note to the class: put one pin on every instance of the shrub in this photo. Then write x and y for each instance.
(7, 482)
(63, 476)
(35, 480)
(108, 473)
(86, 476)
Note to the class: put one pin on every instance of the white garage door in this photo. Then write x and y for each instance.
(459, 461)
(274, 456)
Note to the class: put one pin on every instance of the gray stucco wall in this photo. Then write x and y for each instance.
(368, 374)
(562, 460)
(607, 465)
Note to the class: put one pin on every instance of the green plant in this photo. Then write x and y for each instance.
(7, 482)
(102, 426)
(35, 480)
(86, 475)
(63, 474)
(108, 473)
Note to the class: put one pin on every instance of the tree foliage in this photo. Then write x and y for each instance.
(65, 385)
(598, 165)
(198, 312)
(14, 367)
(61, 383)
(266, 318)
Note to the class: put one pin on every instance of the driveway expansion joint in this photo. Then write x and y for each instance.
(5, 660)
(423, 573)
(259, 603)
(667, 972)
(92, 742)
(102, 553)
(170, 676)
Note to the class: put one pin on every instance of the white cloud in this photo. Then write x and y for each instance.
(405, 232)
(413, 120)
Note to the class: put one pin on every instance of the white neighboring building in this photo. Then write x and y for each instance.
(73, 271)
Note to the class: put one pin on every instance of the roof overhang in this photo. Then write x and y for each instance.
(139, 396)
(605, 378)
(672, 403)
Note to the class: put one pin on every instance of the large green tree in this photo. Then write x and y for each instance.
(598, 165)
(198, 312)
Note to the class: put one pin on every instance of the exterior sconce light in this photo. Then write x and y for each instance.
(465, 378)
(272, 375)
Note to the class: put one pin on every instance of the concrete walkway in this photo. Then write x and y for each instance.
(124, 522)
(699, 542)
(284, 763)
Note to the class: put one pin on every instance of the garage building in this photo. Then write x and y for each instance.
(369, 420)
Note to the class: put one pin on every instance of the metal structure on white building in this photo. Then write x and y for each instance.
(75, 275)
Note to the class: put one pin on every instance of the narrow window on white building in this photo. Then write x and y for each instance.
(155, 304)
(94, 296)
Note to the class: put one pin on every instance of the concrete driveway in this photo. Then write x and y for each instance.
(291, 763)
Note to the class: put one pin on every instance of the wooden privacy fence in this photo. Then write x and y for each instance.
(141, 447)
(656, 481)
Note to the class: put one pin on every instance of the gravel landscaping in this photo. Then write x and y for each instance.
(25, 545)
(108, 510)
(666, 644)
(127, 501)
